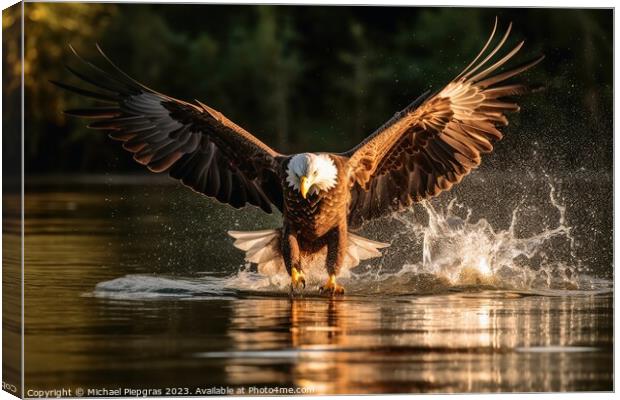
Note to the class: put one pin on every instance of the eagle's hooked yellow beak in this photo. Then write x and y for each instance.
(304, 186)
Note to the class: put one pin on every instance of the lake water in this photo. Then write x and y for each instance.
(133, 283)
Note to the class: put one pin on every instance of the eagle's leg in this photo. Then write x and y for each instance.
(292, 260)
(336, 251)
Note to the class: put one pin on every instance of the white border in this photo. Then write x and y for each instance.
(462, 3)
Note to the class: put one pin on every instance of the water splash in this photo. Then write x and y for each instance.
(457, 254)
(474, 253)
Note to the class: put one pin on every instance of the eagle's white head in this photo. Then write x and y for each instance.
(311, 173)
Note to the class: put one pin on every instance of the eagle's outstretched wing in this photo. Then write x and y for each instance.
(435, 141)
(197, 144)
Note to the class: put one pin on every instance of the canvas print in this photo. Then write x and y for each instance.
(204, 199)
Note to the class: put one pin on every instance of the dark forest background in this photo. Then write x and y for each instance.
(312, 78)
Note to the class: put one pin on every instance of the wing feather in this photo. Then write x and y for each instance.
(193, 142)
(437, 140)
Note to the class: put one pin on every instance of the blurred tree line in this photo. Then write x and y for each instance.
(311, 78)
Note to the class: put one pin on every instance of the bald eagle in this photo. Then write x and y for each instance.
(423, 150)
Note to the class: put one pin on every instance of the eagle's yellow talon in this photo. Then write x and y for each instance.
(297, 278)
(332, 287)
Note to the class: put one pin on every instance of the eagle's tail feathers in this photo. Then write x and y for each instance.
(360, 248)
(246, 240)
(261, 248)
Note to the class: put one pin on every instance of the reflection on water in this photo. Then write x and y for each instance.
(118, 295)
(438, 343)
